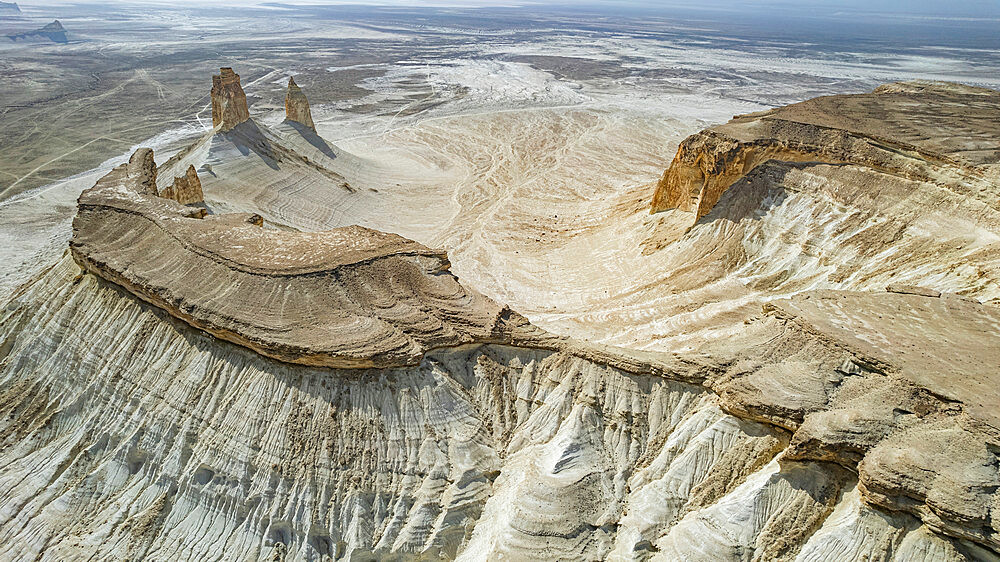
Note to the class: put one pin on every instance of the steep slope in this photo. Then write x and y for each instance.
(164, 442)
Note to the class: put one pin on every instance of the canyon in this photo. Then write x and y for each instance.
(258, 349)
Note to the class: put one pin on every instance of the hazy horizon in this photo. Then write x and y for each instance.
(967, 8)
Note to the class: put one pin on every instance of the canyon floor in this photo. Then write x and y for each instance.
(765, 396)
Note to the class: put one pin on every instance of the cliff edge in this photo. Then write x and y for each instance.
(926, 131)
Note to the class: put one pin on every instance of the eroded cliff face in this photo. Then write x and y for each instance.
(897, 130)
(867, 381)
(229, 101)
(140, 172)
(164, 442)
(297, 106)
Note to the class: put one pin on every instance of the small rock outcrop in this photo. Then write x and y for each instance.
(54, 32)
(297, 106)
(186, 189)
(953, 144)
(140, 172)
(229, 101)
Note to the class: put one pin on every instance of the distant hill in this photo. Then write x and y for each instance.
(53, 31)
(9, 8)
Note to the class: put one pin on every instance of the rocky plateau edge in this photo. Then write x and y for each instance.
(935, 132)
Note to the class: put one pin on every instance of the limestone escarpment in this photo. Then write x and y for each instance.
(940, 133)
(163, 441)
(126, 433)
(349, 297)
(868, 381)
(186, 189)
(198, 448)
(297, 106)
(229, 101)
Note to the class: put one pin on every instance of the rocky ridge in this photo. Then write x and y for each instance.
(346, 298)
(856, 380)
(938, 133)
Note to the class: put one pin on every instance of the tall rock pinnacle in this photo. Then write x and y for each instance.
(297, 106)
(229, 102)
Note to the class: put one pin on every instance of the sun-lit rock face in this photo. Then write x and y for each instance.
(868, 381)
(939, 133)
(128, 434)
(229, 101)
(297, 106)
(186, 189)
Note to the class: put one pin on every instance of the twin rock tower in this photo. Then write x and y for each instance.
(229, 109)
(229, 102)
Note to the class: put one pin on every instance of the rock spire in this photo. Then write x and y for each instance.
(229, 102)
(185, 189)
(141, 171)
(297, 106)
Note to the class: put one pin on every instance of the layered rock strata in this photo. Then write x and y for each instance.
(834, 425)
(869, 381)
(162, 441)
(186, 189)
(229, 101)
(297, 106)
(939, 133)
(349, 298)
